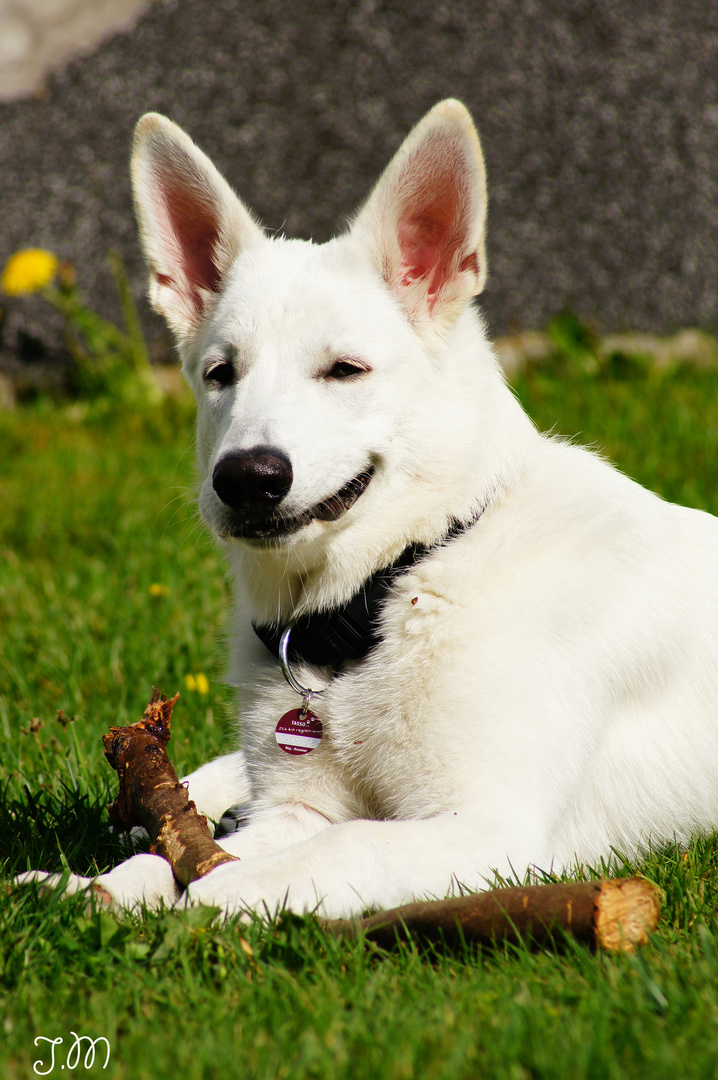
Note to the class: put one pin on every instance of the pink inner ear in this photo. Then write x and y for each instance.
(194, 229)
(420, 241)
(430, 236)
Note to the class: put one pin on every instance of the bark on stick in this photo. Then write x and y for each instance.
(615, 915)
(151, 796)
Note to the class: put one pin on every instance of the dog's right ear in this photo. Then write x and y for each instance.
(192, 225)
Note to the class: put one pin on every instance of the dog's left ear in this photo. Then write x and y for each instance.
(424, 221)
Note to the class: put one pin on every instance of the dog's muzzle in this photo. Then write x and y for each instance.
(252, 485)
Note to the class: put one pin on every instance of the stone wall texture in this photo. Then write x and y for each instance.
(599, 120)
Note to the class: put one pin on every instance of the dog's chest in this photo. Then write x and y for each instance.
(374, 750)
(391, 743)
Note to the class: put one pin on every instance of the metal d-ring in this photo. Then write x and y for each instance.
(287, 671)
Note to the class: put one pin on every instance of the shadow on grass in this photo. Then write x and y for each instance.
(57, 830)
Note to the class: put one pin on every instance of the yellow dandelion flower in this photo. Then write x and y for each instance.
(28, 270)
(190, 683)
(202, 683)
(158, 590)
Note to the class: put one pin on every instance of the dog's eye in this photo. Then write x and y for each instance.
(345, 369)
(219, 373)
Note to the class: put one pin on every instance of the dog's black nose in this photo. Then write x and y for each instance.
(253, 481)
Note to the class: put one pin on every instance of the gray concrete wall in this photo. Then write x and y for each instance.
(599, 122)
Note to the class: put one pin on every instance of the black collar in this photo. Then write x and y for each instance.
(328, 638)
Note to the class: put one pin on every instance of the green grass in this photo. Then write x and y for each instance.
(94, 512)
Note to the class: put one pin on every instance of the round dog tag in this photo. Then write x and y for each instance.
(298, 731)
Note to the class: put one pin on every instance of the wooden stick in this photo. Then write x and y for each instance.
(614, 915)
(151, 796)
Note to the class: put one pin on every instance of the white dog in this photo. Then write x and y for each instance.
(533, 680)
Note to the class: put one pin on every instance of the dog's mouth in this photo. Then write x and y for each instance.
(276, 525)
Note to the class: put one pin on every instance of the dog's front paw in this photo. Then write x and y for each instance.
(144, 881)
(68, 885)
(266, 886)
(235, 889)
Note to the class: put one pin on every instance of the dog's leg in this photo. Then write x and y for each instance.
(144, 881)
(219, 784)
(356, 865)
(274, 829)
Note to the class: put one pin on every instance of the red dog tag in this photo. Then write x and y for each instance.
(298, 732)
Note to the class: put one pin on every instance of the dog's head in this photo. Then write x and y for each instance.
(299, 354)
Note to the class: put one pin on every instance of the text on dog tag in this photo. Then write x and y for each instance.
(298, 731)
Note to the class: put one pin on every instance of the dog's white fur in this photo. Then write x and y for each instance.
(547, 684)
